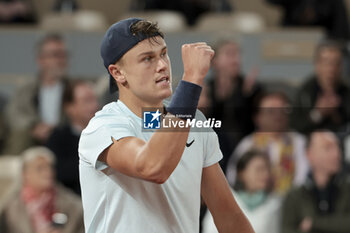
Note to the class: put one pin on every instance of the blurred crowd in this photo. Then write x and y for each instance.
(286, 158)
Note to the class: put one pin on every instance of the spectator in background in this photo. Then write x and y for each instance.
(206, 107)
(204, 102)
(252, 193)
(17, 11)
(35, 108)
(322, 204)
(323, 101)
(191, 9)
(232, 94)
(65, 6)
(80, 104)
(41, 206)
(273, 136)
(329, 14)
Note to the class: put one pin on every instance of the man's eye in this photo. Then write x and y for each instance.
(163, 54)
(147, 58)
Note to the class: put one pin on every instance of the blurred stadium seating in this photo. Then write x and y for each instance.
(169, 21)
(82, 20)
(271, 14)
(238, 22)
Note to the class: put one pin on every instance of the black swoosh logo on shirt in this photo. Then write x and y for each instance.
(189, 144)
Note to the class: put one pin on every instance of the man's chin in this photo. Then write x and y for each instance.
(58, 74)
(167, 93)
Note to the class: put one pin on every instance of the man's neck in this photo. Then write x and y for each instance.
(48, 80)
(224, 85)
(136, 105)
(78, 126)
(327, 86)
(321, 179)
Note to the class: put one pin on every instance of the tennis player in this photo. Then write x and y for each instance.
(151, 181)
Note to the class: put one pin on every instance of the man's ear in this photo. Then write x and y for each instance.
(117, 74)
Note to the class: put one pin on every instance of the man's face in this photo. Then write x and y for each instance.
(147, 71)
(228, 60)
(273, 114)
(84, 105)
(324, 153)
(39, 174)
(53, 58)
(328, 66)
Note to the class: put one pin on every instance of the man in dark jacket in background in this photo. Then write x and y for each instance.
(79, 104)
(322, 204)
(323, 101)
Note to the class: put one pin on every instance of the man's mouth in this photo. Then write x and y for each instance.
(163, 79)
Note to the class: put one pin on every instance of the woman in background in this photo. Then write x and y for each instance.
(252, 193)
(41, 205)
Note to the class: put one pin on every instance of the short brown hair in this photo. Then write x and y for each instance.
(46, 39)
(262, 96)
(146, 28)
(68, 93)
(244, 161)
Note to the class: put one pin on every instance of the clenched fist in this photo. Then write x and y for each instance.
(196, 58)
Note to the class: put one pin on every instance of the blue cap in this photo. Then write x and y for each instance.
(117, 41)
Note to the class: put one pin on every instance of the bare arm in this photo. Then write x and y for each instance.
(216, 193)
(156, 159)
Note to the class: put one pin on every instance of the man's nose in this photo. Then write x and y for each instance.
(161, 64)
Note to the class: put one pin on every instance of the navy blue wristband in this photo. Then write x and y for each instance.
(185, 100)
